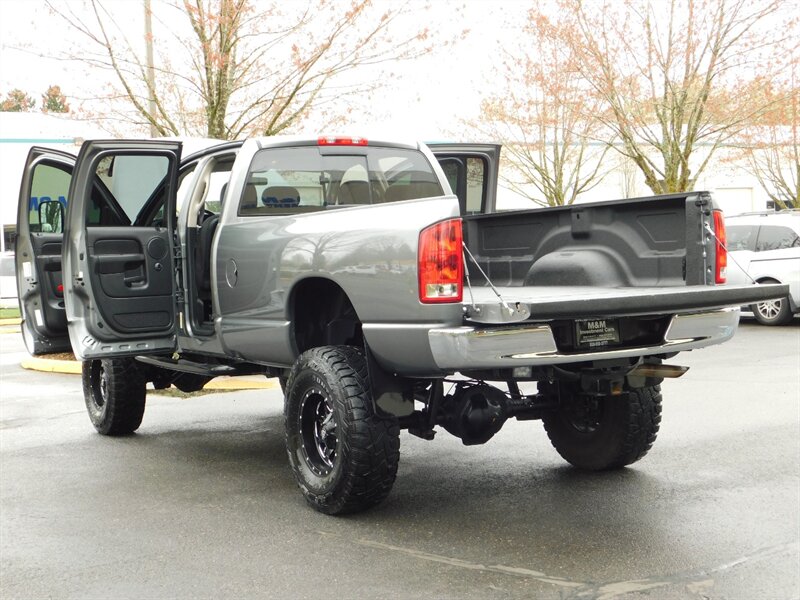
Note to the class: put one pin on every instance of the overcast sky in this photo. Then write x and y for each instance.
(427, 101)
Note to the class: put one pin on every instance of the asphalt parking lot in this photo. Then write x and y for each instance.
(201, 502)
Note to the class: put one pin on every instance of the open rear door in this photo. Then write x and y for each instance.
(472, 170)
(119, 256)
(40, 224)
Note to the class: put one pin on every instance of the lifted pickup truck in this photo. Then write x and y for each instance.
(378, 282)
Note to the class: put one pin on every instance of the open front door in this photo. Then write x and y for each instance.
(472, 170)
(40, 224)
(119, 256)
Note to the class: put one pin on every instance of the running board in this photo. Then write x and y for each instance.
(187, 366)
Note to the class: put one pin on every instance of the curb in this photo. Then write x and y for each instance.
(235, 383)
(12, 321)
(47, 365)
(73, 367)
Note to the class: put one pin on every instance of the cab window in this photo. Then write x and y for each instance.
(476, 183)
(467, 179)
(304, 179)
(48, 201)
(129, 183)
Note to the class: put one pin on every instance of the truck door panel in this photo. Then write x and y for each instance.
(47, 250)
(120, 272)
(40, 220)
(132, 278)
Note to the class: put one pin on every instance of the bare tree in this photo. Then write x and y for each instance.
(627, 173)
(678, 78)
(229, 68)
(772, 145)
(776, 165)
(546, 117)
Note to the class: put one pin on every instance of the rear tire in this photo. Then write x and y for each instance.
(114, 391)
(603, 433)
(343, 456)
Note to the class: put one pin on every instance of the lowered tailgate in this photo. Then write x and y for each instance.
(557, 325)
(482, 305)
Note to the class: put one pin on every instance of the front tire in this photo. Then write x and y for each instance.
(343, 455)
(115, 392)
(606, 432)
(772, 312)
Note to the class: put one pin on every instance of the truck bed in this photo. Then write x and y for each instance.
(636, 257)
(640, 242)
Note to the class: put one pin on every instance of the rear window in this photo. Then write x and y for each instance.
(775, 237)
(304, 179)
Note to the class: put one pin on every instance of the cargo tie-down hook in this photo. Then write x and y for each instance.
(503, 303)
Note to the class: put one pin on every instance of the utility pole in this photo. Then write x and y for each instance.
(151, 74)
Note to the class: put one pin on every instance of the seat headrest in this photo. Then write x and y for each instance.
(354, 192)
(250, 197)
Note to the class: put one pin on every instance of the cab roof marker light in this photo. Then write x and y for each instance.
(341, 141)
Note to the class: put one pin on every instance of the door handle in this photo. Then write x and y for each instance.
(105, 259)
(114, 263)
(51, 263)
(130, 280)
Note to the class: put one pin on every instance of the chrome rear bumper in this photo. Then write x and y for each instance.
(461, 348)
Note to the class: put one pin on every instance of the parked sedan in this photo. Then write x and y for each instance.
(765, 248)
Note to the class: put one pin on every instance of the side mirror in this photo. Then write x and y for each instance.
(51, 216)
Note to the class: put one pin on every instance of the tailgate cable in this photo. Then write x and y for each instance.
(503, 303)
(709, 229)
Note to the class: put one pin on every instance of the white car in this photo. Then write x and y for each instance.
(8, 280)
(765, 248)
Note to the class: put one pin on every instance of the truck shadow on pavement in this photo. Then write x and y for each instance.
(507, 509)
(446, 482)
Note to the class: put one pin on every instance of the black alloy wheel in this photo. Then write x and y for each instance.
(317, 424)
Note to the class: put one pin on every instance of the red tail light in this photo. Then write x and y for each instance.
(441, 266)
(721, 262)
(341, 141)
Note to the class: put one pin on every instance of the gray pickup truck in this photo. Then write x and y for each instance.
(378, 281)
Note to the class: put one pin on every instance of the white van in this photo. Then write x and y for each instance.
(765, 248)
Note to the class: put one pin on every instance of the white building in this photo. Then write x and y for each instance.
(734, 188)
(19, 132)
